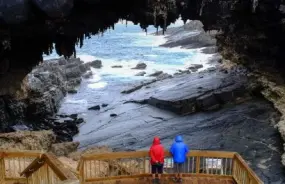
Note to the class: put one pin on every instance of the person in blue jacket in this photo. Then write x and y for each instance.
(179, 151)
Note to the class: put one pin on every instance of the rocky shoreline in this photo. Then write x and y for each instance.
(44, 88)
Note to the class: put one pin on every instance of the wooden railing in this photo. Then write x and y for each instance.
(242, 173)
(12, 163)
(29, 167)
(122, 165)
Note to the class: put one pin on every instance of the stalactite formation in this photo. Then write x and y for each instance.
(252, 30)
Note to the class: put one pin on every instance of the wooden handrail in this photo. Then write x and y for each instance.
(139, 154)
(19, 153)
(228, 160)
(252, 175)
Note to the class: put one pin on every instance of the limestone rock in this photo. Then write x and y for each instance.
(96, 107)
(195, 66)
(155, 74)
(117, 66)
(104, 105)
(184, 94)
(87, 75)
(73, 72)
(27, 140)
(163, 76)
(63, 149)
(140, 66)
(140, 74)
(96, 64)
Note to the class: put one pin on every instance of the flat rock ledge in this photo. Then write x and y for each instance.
(188, 93)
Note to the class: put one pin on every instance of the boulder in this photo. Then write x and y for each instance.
(63, 149)
(104, 105)
(96, 107)
(73, 72)
(184, 71)
(117, 66)
(140, 74)
(87, 75)
(71, 91)
(155, 74)
(163, 76)
(83, 68)
(74, 82)
(96, 64)
(195, 66)
(140, 66)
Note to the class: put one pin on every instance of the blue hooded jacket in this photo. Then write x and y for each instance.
(179, 150)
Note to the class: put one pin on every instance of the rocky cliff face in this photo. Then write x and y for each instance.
(35, 106)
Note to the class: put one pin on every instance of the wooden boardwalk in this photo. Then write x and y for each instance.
(186, 180)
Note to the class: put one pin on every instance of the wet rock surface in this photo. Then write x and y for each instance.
(140, 66)
(238, 122)
(190, 93)
(235, 128)
(96, 64)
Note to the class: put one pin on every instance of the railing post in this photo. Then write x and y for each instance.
(233, 166)
(198, 165)
(144, 164)
(2, 168)
(82, 172)
(48, 174)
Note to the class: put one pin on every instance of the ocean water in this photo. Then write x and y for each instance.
(126, 45)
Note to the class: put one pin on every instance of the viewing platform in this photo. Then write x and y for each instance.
(201, 167)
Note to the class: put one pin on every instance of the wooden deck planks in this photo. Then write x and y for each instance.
(188, 180)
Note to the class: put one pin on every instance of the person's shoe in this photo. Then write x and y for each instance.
(179, 180)
(158, 181)
(153, 181)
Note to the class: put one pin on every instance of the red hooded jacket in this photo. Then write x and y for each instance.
(156, 152)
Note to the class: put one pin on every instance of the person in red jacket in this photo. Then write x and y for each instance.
(156, 154)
